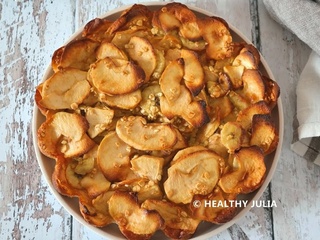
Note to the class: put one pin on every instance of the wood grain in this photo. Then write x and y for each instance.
(32, 30)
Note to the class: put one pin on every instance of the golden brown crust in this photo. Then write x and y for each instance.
(217, 35)
(77, 54)
(136, 13)
(96, 30)
(272, 92)
(264, 133)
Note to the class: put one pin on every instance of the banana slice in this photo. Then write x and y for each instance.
(232, 136)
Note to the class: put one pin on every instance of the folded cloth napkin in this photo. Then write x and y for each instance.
(306, 137)
(302, 17)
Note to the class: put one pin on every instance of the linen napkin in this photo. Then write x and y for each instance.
(302, 17)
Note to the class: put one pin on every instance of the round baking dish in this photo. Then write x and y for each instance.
(205, 229)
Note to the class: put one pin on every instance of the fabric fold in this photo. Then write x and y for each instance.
(302, 18)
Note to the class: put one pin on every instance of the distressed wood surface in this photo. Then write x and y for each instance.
(32, 30)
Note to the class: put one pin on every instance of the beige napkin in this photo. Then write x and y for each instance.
(306, 140)
(302, 17)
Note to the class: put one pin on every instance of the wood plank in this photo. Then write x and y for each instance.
(296, 183)
(28, 36)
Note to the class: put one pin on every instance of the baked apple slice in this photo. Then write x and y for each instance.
(249, 57)
(248, 171)
(178, 224)
(96, 211)
(96, 30)
(147, 166)
(123, 101)
(141, 51)
(142, 187)
(114, 157)
(253, 86)
(64, 134)
(106, 75)
(177, 16)
(272, 92)
(217, 207)
(65, 89)
(238, 101)
(235, 75)
(108, 49)
(99, 120)
(77, 54)
(171, 78)
(136, 132)
(264, 133)
(134, 222)
(137, 15)
(196, 173)
(245, 116)
(215, 32)
(193, 112)
(193, 72)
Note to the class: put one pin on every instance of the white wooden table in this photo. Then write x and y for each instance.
(32, 30)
